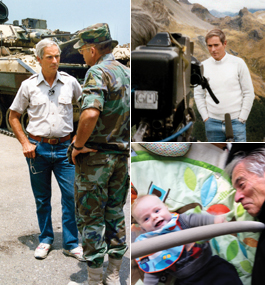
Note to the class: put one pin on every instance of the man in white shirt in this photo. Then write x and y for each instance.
(230, 81)
(47, 96)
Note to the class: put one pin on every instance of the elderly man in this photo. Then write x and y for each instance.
(230, 80)
(47, 96)
(247, 170)
(100, 153)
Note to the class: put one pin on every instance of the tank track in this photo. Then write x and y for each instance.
(7, 133)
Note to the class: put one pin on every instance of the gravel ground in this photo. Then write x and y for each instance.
(19, 229)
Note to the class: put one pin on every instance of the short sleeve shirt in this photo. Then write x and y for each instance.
(107, 88)
(49, 108)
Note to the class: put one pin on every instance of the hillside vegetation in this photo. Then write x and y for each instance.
(245, 34)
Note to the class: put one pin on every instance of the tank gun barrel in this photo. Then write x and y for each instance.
(56, 35)
(3, 13)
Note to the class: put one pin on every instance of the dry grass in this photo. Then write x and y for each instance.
(239, 32)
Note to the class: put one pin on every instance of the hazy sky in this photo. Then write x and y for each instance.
(69, 15)
(230, 5)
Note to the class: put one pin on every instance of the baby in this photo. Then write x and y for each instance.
(189, 264)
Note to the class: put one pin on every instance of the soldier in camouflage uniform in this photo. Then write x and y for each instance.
(100, 153)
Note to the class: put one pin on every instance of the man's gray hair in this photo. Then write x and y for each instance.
(103, 48)
(43, 44)
(254, 162)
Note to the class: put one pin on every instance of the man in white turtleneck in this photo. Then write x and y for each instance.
(230, 81)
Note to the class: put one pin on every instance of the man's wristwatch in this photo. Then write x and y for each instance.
(77, 148)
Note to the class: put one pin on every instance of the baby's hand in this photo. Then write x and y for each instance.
(220, 219)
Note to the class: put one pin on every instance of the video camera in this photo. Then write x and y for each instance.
(163, 73)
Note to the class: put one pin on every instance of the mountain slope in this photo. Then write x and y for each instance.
(245, 32)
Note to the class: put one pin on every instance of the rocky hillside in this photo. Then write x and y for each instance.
(245, 38)
(202, 13)
(245, 32)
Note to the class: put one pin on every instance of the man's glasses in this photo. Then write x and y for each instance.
(51, 92)
(81, 50)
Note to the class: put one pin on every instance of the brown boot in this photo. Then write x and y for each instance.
(112, 274)
(95, 275)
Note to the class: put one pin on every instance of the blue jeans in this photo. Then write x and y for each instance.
(215, 130)
(52, 158)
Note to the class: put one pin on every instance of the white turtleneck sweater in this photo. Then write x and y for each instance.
(230, 81)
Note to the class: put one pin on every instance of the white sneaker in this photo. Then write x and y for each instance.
(42, 250)
(76, 253)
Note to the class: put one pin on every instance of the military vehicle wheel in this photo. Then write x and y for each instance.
(24, 119)
(7, 121)
(2, 116)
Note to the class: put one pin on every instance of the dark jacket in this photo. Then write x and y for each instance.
(258, 273)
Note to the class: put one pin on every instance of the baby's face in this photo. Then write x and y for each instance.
(151, 213)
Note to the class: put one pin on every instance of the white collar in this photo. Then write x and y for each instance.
(41, 78)
(221, 60)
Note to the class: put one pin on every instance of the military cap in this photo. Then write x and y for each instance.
(95, 34)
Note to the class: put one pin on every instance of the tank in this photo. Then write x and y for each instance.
(18, 60)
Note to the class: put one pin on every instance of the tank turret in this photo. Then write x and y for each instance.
(18, 60)
(17, 57)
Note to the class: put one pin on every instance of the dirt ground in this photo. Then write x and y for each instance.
(19, 229)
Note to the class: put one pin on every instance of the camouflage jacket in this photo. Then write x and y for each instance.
(107, 88)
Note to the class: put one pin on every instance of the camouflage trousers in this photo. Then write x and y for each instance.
(101, 187)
